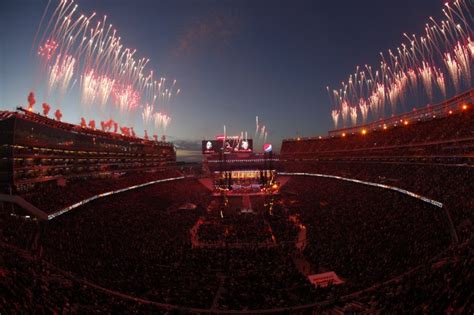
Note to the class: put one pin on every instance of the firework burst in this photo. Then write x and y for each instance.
(112, 79)
(431, 64)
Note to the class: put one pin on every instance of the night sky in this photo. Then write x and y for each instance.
(233, 60)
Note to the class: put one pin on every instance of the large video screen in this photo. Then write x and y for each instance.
(230, 145)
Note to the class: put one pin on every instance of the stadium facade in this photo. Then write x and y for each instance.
(434, 134)
(36, 149)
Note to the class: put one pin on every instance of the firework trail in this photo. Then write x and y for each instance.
(353, 113)
(256, 127)
(441, 82)
(345, 111)
(335, 116)
(364, 109)
(147, 115)
(434, 64)
(262, 132)
(426, 74)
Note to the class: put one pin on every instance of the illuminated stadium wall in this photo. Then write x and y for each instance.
(37, 149)
(442, 133)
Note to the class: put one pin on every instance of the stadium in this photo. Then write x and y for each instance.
(371, 218)
(187, 243)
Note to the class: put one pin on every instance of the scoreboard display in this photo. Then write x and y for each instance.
(229, 145)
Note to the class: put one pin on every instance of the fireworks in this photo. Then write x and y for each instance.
(426, 75)
(431, 64)
(126, 98)
(61, 72)
(345, 111)
(353, 113)
(46, 109)
(461, 53)
(47, 50)
(31, 101)
(364, 109)
(112, 79)
(96, 89)
(335, 116)
(261, 132)
(161, 121)
(58, 115)
(147, 115)
(156, 121)
(441, 82)
(257, 127)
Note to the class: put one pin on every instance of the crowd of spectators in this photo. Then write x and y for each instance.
(450, 184)
(264, 278)
(246, 229)
(361, 232)
(439, 286)
(449, 135)
(51, 197)
(138, 243)
(16, 227)
(32, 286)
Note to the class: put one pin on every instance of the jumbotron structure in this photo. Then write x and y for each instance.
(370, 219)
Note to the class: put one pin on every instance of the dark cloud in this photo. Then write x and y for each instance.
(215, 30)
